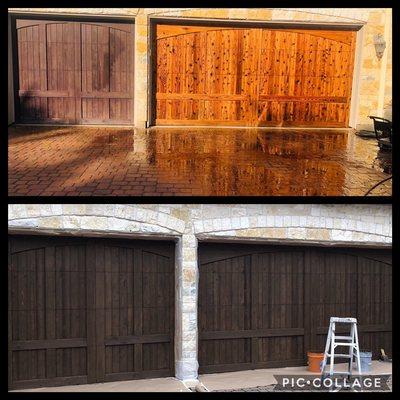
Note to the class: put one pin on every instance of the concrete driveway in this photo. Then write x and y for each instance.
(140, 385)
(251, 380)
(261, 378)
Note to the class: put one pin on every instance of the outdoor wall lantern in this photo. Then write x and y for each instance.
(380, 45)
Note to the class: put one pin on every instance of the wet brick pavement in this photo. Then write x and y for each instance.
(90, 161)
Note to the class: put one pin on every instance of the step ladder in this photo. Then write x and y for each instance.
(333, 341)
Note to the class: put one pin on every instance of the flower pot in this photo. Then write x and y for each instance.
(315, 361)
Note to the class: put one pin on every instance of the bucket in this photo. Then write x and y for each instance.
(365, 361)
(315, 361)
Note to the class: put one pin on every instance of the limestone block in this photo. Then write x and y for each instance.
(278, 221)
(186, 369)
(318, 234)
(296, 233)
(25, 223)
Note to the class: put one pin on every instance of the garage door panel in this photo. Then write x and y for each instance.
(32, 364)
(313, 68)
(95, 58)
(119, 359)
(27, 295)
(69, 72)
(40, 319)
(335, 294)
(62, 41)
(374, 291)
(290, 295)
(281, 349)
(69, 292)
(77, 311)
(156, 356)
(120, 109)
(61, 109)
(95, 109)
(71, 362)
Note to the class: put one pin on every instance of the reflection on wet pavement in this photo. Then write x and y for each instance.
(194, 161)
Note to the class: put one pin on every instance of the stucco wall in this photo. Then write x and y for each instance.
(351, 225)
(374, 89)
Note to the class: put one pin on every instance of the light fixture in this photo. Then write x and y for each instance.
(380, 45)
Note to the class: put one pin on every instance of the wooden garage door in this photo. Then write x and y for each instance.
(74, 72)
(254, 77)
(84, 310)
(266, 306)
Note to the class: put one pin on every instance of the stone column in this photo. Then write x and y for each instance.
(141, 58)
(186, 333)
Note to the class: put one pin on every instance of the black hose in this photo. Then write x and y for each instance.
(379, 183)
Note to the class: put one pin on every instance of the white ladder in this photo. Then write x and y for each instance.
(333, 341)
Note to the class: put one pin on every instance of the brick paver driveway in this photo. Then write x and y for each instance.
(193, 161)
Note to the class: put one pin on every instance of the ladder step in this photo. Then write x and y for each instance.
(341, 373)
(340, 355)
(344, 320)
(344, 344)
(344, 337)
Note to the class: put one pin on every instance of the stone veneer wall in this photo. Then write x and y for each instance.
(355, 225)
(374, 88)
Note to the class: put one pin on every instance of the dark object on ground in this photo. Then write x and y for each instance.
(200, 388)
(366, 134)
(384, 357)
(383, 132)
(379, 183)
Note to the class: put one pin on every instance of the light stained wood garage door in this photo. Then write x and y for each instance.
(73, 72)
(253, 76)
(85, 310)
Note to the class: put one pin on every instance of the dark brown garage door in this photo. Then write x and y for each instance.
(85, 310)
(210, 75)
(266, 306)
(74, 72)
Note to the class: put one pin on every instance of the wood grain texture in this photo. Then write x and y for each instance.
(75, 72)
(266, 306)
(253, 76)
(81, 308)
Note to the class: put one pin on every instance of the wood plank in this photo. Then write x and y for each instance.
(47, 344)
(253, 333)
(255, 310)
(361, 328)
(50, 309)
(201, 96)
(123, 376)
(138, 307)
(100, 310)
(91, 313)
(308, 340)
(59, 381)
